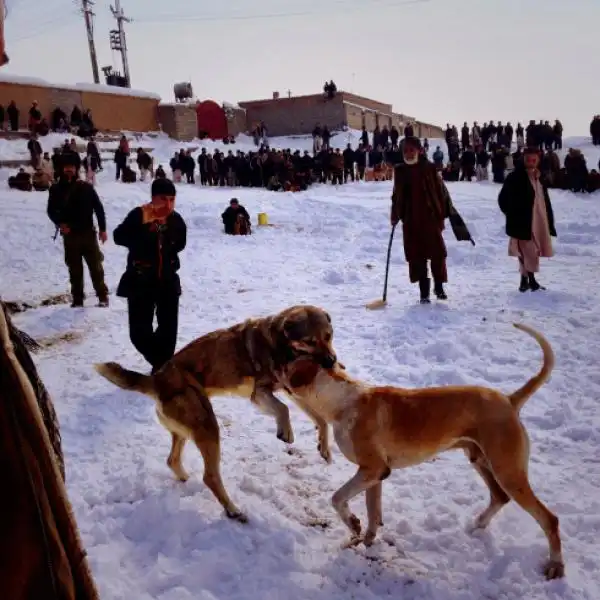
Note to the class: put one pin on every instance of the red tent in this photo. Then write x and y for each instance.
(211, 120)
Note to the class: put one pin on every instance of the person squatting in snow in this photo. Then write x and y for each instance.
(420, 201)
(72, 204)
(525, 202)
(236, 219)
(154, 234)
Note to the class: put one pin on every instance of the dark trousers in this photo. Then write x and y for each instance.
(467, 173)
(337, 178)
(348, 173)
(157, 346)
(417, 270)
(79, 247)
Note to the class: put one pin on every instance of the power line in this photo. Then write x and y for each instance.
(344, 5)
(48, 27)
(55, 18)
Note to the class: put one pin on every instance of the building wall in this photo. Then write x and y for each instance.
(237, 122)
(426, 130)
(121, 113)
(111, 112)
(178, 121)
(295, 116)
(354, 117)
(366, 102)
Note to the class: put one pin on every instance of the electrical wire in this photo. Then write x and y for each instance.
(342, 5)
(58, 17)
(48, 27)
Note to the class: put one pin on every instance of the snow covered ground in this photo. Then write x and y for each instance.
(150, 537)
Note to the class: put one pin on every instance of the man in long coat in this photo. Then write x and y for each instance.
(421, 202)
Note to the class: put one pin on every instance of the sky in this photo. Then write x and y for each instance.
(441, 61)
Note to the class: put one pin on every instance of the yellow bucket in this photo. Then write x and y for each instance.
(263, 219)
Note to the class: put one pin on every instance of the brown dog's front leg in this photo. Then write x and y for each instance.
(269, 404)
(322, 432)
(374, 513)
(364, 479)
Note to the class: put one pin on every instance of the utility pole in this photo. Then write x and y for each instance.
(86, 8)
(117, 38)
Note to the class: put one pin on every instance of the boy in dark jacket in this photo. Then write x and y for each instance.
(154, 234)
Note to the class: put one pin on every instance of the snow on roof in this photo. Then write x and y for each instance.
(233, 105)
(191, 104)
(77, 87)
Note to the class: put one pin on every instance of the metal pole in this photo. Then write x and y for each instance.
(86, 6)
(120, 17)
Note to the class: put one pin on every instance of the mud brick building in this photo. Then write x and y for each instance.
(297, 115)
(113, 108)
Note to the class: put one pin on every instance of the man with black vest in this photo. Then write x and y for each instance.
(154, 234)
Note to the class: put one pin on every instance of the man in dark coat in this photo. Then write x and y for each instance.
(35, 150)
(421, 202)
(72, 204)
(231, 214)
(154, 234)
(13, 116)
(525, 202)
(349, 160)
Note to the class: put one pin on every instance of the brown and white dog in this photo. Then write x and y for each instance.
(385, 428)
(242, 360)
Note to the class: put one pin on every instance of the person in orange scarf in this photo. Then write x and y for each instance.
(525, 202)
(154, 235)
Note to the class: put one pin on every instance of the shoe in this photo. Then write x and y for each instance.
(103, 302)
(424, 288)
(524, 286)
(534, 286)
(438, 288)
(77, 303)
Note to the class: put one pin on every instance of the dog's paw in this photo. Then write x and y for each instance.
(286, 435)
(325, 452)
(369, 538)
(354, 525)
(554, 569)
(236, 515)
(476, 527)
(352, 542)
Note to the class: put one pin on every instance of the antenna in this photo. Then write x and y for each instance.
(88, 15)
(117, 38)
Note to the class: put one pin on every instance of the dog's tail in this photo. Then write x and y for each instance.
(126, 379)
(518, 398)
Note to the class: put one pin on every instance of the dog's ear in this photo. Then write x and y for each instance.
(303, 373)
(327, 316)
